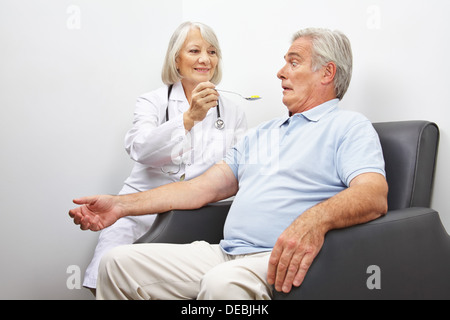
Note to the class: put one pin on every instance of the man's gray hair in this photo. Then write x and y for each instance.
(170, 74)
(331, 46)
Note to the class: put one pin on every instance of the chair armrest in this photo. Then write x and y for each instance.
(186, 226)
(410, 247)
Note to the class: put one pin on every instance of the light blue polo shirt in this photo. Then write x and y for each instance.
(290, 164)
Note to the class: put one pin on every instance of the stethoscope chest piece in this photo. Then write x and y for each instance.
(219, 124)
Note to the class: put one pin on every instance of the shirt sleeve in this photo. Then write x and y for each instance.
(359, 152)
(236, 155)
(149, 142)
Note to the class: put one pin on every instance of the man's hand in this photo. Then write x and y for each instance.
(96, 213)
(294, 253)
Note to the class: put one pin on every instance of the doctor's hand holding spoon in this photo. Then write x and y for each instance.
(204, 97)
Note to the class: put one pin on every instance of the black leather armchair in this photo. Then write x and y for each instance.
(403, 255)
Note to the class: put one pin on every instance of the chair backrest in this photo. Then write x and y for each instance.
(410, 151)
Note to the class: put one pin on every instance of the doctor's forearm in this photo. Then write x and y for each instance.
(155, 146)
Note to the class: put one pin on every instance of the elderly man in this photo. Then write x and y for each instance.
(323, 169)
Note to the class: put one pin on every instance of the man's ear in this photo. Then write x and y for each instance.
(329, 71)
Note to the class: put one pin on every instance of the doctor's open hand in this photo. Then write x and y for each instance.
(96, 213)
(204, 97)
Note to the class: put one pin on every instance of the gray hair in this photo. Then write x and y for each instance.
(330, 46)
(170, 74)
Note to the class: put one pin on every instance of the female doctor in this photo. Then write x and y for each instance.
(179, 130)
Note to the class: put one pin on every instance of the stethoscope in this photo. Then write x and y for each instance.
(219, 124)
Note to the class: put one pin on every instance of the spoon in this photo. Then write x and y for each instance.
(251, 98)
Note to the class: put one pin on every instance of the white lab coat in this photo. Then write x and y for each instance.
(154, 143)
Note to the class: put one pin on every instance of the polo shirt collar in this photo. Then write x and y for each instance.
(314, 114)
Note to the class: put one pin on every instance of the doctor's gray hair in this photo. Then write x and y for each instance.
(330, 46)
(170, 74)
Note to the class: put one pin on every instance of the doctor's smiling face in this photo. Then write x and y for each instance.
(197, 59)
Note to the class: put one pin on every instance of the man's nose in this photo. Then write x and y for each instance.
(281, 74)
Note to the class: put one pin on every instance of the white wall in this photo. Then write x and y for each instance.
(70, 75)
(400, 51)
(70, 71)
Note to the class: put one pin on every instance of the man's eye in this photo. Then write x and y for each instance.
(294, 64)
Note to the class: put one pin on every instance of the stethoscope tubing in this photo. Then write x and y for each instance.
(219, 124)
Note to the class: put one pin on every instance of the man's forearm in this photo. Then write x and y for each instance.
(365, 200)
(214, 185)
(176, 195)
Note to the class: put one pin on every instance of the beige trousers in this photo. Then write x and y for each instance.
(190, 271)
